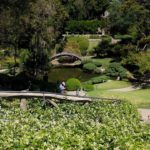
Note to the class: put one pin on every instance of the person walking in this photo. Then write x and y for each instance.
(62, 88)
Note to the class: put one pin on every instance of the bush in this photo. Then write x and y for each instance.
(97, 63)
(116, 70)
(89, 67)
(144, 42)
(83, 26)
(83, 45)
(85, 61)
(88, 87)
(99, 79)
(73, 84)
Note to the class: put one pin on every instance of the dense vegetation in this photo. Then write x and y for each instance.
(98, 125)
(31, 29)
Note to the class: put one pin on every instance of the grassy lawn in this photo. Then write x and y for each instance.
(104, 61)
(92, 44)
(140, 98)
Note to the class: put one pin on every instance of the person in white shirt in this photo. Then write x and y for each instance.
(62, 87)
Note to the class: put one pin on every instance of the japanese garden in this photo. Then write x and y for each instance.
(75, 74)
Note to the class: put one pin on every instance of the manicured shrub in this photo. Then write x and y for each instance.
(87, 60)
(83, 26)
(83, 45)
(89, 67)
(99, 79)
(97, 63)
(88, 87)
(73, 84)
(116, 70)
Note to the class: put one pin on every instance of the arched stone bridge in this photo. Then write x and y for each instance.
(65, 54)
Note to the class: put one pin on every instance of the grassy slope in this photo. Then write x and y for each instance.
(140, 98)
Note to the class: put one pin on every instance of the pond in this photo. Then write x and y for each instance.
(62, 74)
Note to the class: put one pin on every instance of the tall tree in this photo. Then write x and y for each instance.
(36, 26)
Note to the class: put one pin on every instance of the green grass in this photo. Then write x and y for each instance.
(140, 98)
(92, 44)
(104, 61)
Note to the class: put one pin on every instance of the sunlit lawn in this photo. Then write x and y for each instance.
(140, 98)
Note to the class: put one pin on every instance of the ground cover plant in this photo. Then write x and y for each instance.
(97, 125)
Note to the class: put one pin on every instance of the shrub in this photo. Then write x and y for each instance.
(73, 84)
(144, 42)
(116, 70)
(99, 79)
(83, 26)
(88, 87)
(89, 67)
(83, 45)
(97, 63)
(85, 61)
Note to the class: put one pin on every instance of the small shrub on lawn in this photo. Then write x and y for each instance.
(73, 84)
(89, 67)
(99, 79)
(97, 63)
(88, 87)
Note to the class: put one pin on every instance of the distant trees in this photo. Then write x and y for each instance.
(34, 26)
(85, 9)
(129, 17)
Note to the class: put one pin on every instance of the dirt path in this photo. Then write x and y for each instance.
(127, 89)
(145, 115)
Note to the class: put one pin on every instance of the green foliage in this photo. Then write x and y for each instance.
(73, 84)
(144, 43)
(85, 10)
(89, 67)
(99, 79)
(87, 87)
(77, 44)
(103, 48)
(141, 60)
(83, 26)
(126, 37)
(116, 70)
(97, 63)
(97, 125)
(86, 60)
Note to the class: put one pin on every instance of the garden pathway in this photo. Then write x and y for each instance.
(127, 89)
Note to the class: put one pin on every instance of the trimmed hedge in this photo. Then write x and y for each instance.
(89, 67)
(73, 84)
(116, 70)
(99, 79)
(88, 87)
(83, 26)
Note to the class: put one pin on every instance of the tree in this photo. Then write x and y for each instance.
(34, 26)
(128, 17)
(85, 9)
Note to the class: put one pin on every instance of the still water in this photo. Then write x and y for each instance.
(62, 74)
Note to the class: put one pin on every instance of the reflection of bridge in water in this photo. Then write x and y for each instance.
(65, 54)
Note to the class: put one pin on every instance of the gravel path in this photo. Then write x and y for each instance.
(145, 115)
(127, 89)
